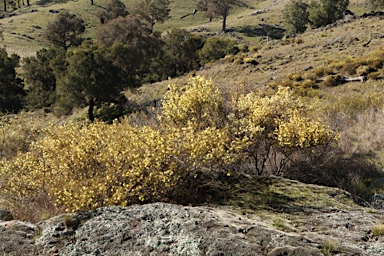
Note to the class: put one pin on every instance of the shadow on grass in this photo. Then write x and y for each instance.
(253, 193)
(274, 32)
(47, 2)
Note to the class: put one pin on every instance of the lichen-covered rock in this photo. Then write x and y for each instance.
(378, 201)
(59, 231)
(160, 229)
(168, 229)
(17, 238)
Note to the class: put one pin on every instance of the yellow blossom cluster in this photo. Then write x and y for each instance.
(85, 166)
(200, 102)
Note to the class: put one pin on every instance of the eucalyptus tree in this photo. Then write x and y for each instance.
(112, 10)
(218, 8)
(65, 31)
(152, 11)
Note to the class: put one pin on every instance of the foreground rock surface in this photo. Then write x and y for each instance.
(167, 229)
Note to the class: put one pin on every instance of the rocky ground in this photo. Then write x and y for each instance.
(168, 229)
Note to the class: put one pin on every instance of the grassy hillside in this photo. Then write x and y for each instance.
(24, 28)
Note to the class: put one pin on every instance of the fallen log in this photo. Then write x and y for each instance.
(354, 79)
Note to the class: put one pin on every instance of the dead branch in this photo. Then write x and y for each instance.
(369, 40)
(354, 79)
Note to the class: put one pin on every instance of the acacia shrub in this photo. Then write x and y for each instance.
(276, 127)
(92, 166)
(85, 166)
(267, 130)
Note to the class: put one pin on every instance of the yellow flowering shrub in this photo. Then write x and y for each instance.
(85, 166)
(301, 132)
(95, 165)
(273, 127)
(199, 102)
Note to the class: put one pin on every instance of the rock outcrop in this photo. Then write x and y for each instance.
(167, 229)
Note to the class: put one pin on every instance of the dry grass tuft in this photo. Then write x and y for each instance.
(329, 246)
(378, 230)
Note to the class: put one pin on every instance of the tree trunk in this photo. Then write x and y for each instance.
(224, 27)
(90, 110)
(28, 4)
(91, 2)
(5, 5)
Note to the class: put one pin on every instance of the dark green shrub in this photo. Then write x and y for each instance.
(180, 52)
(215, 48)
(332, 80)
(296, 16)
(323, 12)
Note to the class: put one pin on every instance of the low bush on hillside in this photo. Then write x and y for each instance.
(298, 14)
(216, 48)
(334, 72)
(85, 166)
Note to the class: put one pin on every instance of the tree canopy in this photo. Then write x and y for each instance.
(323, 12)
(152, 11)
(217, 8)
(296, 16)
(65, 30)
(128, 30)
(40, 74)
(112, 10)
(11, 88)
(181, 51)
(89, 79)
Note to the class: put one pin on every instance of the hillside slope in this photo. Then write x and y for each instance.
(23, 28)
(280, 58)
